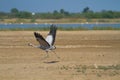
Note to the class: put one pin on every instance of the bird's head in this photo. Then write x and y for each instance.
(29, 44)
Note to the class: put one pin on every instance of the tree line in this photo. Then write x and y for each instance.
(58, 14)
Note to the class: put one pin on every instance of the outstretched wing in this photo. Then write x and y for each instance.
(41, 40)
(51, 35)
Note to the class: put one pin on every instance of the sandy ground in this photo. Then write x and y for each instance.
(84, 55)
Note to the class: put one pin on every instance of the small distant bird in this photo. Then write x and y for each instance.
(48, 43)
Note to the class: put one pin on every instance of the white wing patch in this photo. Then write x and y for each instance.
(49, 39)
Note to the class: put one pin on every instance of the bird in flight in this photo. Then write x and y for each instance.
(48, 43)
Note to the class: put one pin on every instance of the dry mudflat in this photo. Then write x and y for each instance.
(84, 55)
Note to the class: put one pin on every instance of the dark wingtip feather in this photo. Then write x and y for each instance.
(36, 34)
(53, 26)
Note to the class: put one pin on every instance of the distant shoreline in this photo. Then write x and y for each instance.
(60, 21)
(61, 26)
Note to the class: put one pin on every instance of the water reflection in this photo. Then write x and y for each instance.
(88, 25)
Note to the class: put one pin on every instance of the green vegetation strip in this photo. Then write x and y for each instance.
(59, 28)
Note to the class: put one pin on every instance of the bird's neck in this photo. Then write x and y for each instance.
(34, 45)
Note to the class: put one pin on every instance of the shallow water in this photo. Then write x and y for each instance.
(88, 26)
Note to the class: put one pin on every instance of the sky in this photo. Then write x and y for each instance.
(51, 5)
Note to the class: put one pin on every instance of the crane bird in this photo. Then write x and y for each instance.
(48, 43)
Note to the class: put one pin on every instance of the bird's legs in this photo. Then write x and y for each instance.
(46, 56)
(56, 54)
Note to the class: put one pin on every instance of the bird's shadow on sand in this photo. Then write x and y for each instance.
(51, 62)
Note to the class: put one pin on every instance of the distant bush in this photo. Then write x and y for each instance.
(87, 13)
(33, 20)
(105, 28)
